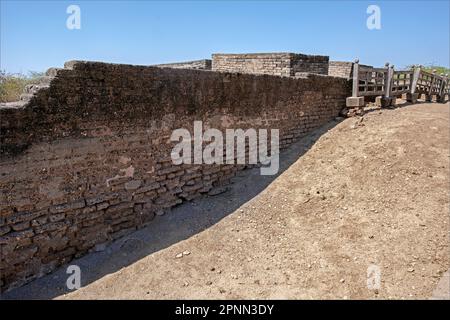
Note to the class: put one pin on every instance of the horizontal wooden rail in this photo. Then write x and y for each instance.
(388, 84)
(371, 81)
(402, 82)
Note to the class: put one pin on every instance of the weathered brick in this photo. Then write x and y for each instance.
(16, 237)
(147, 188)
(133, 185)
(24, 216)
(21, 226)
(56, 217)
(68, 206)
(101, 198)
(119, 207)
(4, 230)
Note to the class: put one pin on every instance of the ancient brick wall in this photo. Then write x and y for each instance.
(302, 64)
(204, 64)
(87, 159)
(342, 69)
(278, 64)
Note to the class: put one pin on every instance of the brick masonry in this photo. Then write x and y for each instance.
(342, 69)
(278, 64)
(204, 64)
(87, 159)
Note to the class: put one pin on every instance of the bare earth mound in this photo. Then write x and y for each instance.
(370, 191)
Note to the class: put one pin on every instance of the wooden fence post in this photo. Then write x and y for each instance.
(386, 100)
(415, 79)
(354, 101)
(355, 87)
(412, 96)
(389, 79)
(441, 94)
(429, 97)
(447, 88)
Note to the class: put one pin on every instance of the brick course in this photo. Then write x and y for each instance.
(342, 69)
(204, 64)
(278, 64)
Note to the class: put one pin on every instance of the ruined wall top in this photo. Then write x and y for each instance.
(285, 64)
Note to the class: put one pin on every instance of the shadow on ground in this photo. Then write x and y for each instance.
(181, 223)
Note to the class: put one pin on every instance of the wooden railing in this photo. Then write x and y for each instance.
(430, 83)
(401, 82)
(388, 84)
(368, 81)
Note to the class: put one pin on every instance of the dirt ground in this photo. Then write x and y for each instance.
(363, 192)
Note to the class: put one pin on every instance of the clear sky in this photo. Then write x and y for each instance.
(34, 35)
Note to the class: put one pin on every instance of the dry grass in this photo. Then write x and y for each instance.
(13, 85)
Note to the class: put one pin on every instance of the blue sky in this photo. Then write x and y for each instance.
(34, 34)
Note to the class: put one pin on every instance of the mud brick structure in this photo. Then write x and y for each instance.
(278, 64)
(342, 69)
(87, 158)
(204, 64)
